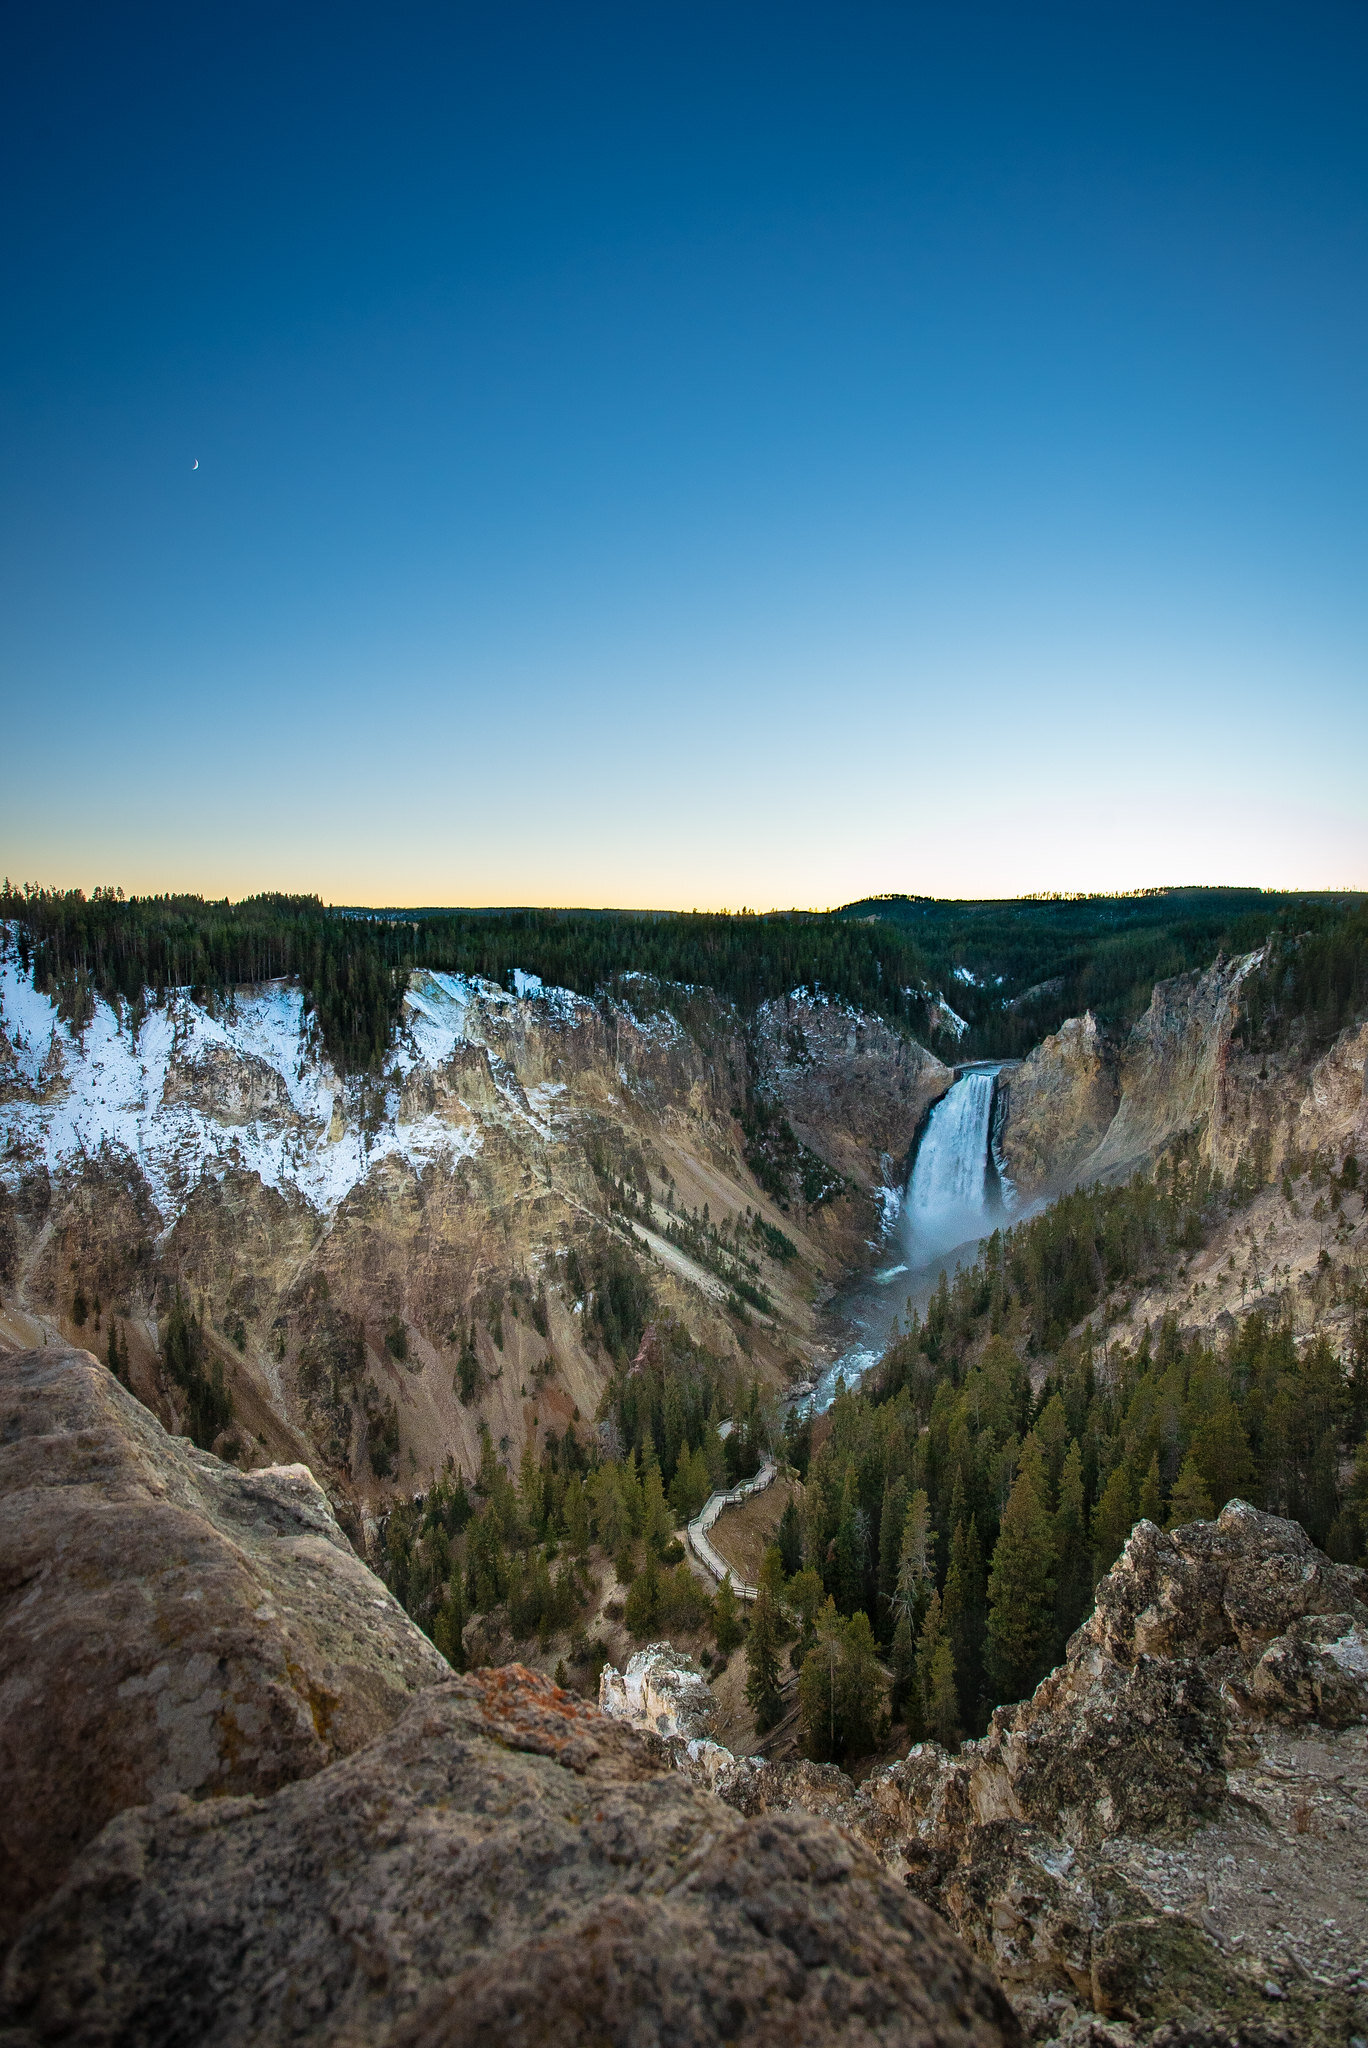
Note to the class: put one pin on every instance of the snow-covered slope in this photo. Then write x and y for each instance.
(192, 1092)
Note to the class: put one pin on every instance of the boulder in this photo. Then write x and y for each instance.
(168, 1624)
(662, 1690)
(508, 1865)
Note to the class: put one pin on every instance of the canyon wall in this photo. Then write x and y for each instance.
(382, 1264)
(1086, 1105)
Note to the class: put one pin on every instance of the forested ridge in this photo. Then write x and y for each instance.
(1012, 970)
(351, 966)
(1036, 960)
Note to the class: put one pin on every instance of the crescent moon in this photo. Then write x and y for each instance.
(195, 463)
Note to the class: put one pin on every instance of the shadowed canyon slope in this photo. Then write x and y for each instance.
(493, 1859)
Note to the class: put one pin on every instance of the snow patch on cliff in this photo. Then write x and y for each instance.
(191, 1095)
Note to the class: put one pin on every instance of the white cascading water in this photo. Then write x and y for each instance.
(952, 1199)
(949, 1196)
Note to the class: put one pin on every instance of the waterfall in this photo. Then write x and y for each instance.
(953, 1197)
(950, 1196)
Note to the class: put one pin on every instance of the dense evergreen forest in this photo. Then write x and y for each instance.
(351, 965)
(1012, 970)
(969, 1516)
(955, 1516)
(1034, 961)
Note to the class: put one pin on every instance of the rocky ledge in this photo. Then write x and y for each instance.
(494, 1861)
(1169, 1842)
(167, 1623)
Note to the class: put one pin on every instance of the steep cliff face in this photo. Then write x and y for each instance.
(1055, 1107)
(854, 1089)
(1082, 1108)
(381, 1264)
(245, 1802)
(1259, 1120)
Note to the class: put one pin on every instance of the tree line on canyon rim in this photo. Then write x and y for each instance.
(1012, 970)
(952, 1523)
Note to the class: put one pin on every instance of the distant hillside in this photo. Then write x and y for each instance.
(1016, 967)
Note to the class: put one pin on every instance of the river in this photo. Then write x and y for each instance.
(953, 1197)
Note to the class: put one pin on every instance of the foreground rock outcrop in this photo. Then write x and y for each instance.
(1171, 1836)
(167, 1624)
(495, 1860)
(507, 1864)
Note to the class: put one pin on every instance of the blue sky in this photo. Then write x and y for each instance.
(684, 455)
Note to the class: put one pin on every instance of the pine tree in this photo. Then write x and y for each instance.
(790, 1538)
(575, 1509)
(904, 1702)
(963, 1617)
(486, 1569)
(1150, 1507)
(916, 1559)
(1021, 1590)
(655, 1516)
(449, 1624)
(849, 1565)
(116, 1354)
(817, 1688)
(942, 1704)
(936, 1673)
(892, 1514)
(1113, 1518)
(1073, 1590)
(641, 1611)
(763, 1695)
(1220, 1448)
(727, 1629)
(1189, 1500)
(860, 1687)
(805, 1596)
(771, 1575)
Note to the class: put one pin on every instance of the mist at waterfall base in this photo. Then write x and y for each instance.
(954, 1196)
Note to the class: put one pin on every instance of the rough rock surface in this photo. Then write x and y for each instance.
(167, 1623)
(1170, 1839)
(1056, 1106)
(506, 1864)
(854, 1088)
(1079, 1108)
(1174, 1066)
(662, 1690)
